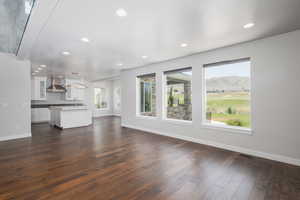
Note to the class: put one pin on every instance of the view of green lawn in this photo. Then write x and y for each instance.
(231, 108)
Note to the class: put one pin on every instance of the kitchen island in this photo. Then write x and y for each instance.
(70, 116)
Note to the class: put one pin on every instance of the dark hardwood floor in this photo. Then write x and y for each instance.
(105, 161)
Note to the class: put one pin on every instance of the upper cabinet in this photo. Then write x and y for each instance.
(38, 88)
(74, 92)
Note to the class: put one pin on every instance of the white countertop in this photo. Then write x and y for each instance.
(35, 102)
(68, 108)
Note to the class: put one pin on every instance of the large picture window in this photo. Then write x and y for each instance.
(178, 94)
(227, 94)
(146, 93)
(100, 99)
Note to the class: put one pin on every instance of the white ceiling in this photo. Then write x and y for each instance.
(155, 28)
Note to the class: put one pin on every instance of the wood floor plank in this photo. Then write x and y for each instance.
(105, 161)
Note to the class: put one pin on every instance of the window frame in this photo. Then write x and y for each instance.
(226, 128)
(144, 95)
(165, 101)
(105, 99)
(138, 96)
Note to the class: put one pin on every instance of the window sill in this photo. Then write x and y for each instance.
(230, 129)
(102, 109)
(178, 121)
(146, 117)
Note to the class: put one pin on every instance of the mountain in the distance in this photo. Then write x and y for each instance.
(228, 83)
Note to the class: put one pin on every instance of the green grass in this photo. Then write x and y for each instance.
(239, 102)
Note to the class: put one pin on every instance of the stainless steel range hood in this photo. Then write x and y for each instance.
(55, 87)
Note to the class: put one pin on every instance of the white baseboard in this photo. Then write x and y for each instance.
(251, 152)
(13, 137)
(102, 115)
(105, 115)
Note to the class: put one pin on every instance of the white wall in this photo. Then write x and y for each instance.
(275, 65)
(14, 98)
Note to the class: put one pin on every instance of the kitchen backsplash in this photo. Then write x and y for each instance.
(55, 98)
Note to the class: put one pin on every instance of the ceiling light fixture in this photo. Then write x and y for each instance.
(36, 71)
(183, 45)
(144, 57)
(121, 12)
(249, 25)
(84, 39)
(43, 66)
(66, 53)
(120, 64)
(39, 68)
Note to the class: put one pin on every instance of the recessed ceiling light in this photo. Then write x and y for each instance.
(39, 68)
(121, 12)
(43, 66)
(84, 39)
(249, 25)
(183, 45)
(36, 71)
(66, 53)
(120, 64)
(144, 57)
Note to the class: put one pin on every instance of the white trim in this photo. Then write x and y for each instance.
(225, 128)
(102, 109)
(178, 121)
(102, 115)
(13, 137)
(146, 117)
(251, 152)
(39, 122)
(108, 78)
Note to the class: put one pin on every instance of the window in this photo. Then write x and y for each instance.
(146, 93)
(227, 94)
(117, 98)
(100, 98)
(178, 94)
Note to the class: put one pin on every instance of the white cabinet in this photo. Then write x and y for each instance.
(40, 115)
(38, 88)
(73, 93)
(70, 117)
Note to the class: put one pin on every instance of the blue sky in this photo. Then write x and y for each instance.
(236, 69)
